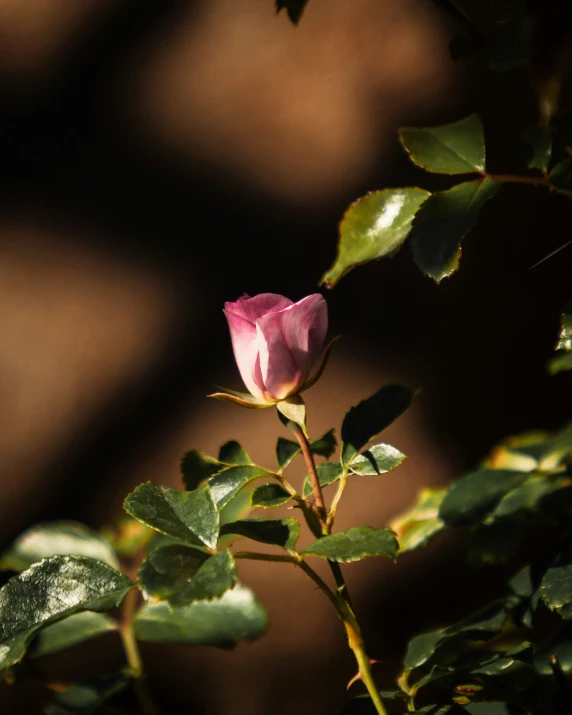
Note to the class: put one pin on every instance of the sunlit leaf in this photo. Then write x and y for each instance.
(373, 227)
(457, 148)
(418, 525)
(355, 544)
(379, 459)
(50, 590)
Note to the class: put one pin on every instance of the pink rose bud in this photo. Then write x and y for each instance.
(276, 342)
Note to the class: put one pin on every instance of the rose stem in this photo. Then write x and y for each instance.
(345, 612)
(355, 640)
(132, 655)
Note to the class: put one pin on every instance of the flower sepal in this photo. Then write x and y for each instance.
(292, 409)
(244, 399)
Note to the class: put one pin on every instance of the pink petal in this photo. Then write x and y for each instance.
(252, 309)
(245, 347)
(304, 327)
(279, 372)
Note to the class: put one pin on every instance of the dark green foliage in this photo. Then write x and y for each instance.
(222, 622)
(370, 417)
(280, 532)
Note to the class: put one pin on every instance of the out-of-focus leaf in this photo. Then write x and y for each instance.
(233, 453)
(328, 473)
(561, 173)
(355, 544)
(529, 495)
(563, 359)
(379, 459)
(427, 648)
(495, 543)
(294, 8)
(538, 140)
(227, 484)
(181, 576)
(269, 495)
(457, 148)
(373, 227)
(55, 538)
(280, 532)
(443, 221)
(371, 416)
(49, 591)
(196, 467)
(69, 632)
(222, 622)
(417, 526)
(556, 585)
(470, 499)
(560, 363)
(87, 696)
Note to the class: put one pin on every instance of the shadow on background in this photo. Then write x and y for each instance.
(159, 159)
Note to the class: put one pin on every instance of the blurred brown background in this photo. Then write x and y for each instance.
(159, 158)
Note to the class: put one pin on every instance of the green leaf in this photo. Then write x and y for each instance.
(196, 467)
(561, 173)
(379, 459)
(325, 445)
(88, 696)
(495, 543)
(355, 544)
(443, 221)
(237, 508)
(328, 473)
(529, 495)
(441, 710)
(225, 485)
(181, 576)
(556, 585)
(50, 590)
(53, 538)
(280, 532)
(481, 626)
(69, 632)
(222, 622)
(167, 510)
(470, 499)
(269, 495)
(565, 337)
(560, 363)
(374, 227)
(197, 511)
(491, 708)
(418, 525)
(286, 450)
(538, 140)
(366, 420)
(457, 148)
(294, 8)
(233, 453)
